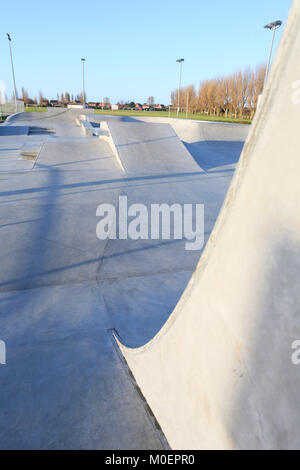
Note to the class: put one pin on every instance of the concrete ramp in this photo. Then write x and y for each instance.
(211, 144)
(148, 148)
(219, 374)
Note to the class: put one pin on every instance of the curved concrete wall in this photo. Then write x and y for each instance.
(190, 130)
(211, 144)
(219, 373)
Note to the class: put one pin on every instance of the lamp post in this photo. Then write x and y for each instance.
(272, 27)
(179, 84)
(83, 87)
(12, 69)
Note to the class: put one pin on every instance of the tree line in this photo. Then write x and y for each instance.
(234, 95)
(60, 97)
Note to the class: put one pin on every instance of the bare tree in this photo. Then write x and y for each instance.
(256, 84)
(203, 98)
(79, 97)
(25, 97)
(24, 94)
(235, 95)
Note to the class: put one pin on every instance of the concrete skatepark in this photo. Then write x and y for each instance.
(202, 358)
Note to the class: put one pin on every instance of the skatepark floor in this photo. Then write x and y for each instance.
(63, 291)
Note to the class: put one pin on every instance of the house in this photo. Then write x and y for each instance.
(44, 102)
(92, 104)
(159, 107)
(103, 105)
(54, 103)
(75, 104)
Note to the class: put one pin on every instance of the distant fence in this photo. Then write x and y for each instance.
(9, 108)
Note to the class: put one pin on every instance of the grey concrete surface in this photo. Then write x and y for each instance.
(151, 148)
(223, 372)
(213, 145)
(62, 289)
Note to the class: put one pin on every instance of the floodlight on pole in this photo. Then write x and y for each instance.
(12, 69)
(272, 27)
(179, 84)
(83, 84)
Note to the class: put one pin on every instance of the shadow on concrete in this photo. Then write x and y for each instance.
(38, 273)
(212, 154)
(110, 117)
(147, 141)
(266, 413)
(97, 183)
(13, 130)
(18, 223)
(63, 386)
(119, 184)
(156, 294)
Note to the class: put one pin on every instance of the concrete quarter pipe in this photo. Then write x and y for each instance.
(219, 374)
(62, 290)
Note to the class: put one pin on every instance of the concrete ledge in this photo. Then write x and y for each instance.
(86, 126)
(107, 137)
(102, 133)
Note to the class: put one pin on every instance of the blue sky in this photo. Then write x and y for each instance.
(131, 46)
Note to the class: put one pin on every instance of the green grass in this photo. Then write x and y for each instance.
(173, 114)
(39, 109)
(200, 117)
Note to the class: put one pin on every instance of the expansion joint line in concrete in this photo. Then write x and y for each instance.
(113, 334)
